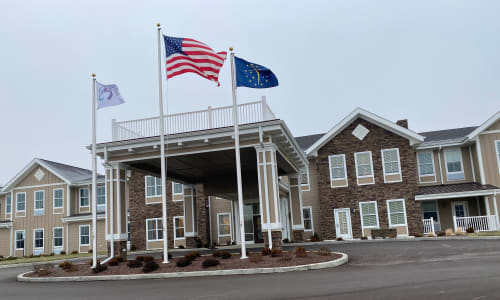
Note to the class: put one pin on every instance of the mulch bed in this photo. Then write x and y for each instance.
(83, 269)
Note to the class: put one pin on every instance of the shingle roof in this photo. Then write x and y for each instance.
(71, 173)
(447, 136)
(454, 188)
(306, 141)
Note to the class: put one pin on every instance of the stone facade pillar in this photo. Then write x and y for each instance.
(116, 208)
(269, 194)
(296, 208)
(196, 216)
(190, 219)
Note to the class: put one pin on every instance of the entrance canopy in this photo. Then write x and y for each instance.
(461, 190)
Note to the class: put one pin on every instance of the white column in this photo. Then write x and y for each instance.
(480, 160)
(487, 205)
(496, 208)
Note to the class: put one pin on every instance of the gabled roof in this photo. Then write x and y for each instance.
(370, 117)
(68, 174)
(484, 126)
(306, 141)
(447, 136)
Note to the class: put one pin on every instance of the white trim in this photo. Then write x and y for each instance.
(480, 160)
(155, 179)
(464, 203)
(175, 228)
(21, 193)
(54, 247)
(497, 148)
(9, 195)
(24, 240)
(433, 167)
(68, 200)
(156, 229)
(389, 213)
(446, 164)
(177, 194)
(80, 236)
(54, 199)
(312, 224)
(117, 236)
(273, 226)
(454, 195)
(276, 194)
(490, 131)
(399, 165)
(371, 168)
(472, 164)
(331, 174)
(219, 235)
(80, 206)
(484, 126)
(34, 238)
(37, 186)
(370, 117)
(38, 211)
(361, 215)
(349, 221)
(28, 168)
(118, 200)
(73, 219)
(308, 185)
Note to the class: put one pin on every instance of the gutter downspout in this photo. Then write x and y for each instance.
(440, 167)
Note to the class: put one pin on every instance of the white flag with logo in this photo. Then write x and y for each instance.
(108, 95)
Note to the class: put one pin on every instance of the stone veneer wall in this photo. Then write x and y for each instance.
(139, 211)
(349, 197)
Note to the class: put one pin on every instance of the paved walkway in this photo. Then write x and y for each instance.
(433, 269)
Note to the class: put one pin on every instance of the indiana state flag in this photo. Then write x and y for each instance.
(253, 75)
(108, 95)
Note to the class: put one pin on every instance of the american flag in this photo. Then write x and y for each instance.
(187, 55)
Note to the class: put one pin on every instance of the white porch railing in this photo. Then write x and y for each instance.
(429, 226)
(209, 118)
(478, 223)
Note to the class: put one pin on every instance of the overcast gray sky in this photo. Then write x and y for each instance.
(434, 62)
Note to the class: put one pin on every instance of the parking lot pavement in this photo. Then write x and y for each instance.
(447, 269)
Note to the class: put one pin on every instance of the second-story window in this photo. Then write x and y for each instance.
(364, 166)
(454, 165)
(425, 163)
(178, 188)
(390, 159)
(153, 186)
(58, 198)
(8, 204)
(84, 197)
(101, 198)
(39, 202)
(20, 202)
(338, 170)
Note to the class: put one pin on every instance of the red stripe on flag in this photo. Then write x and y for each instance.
(194, 60)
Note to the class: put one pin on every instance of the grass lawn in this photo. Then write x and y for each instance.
(485, 233)
(23, 260)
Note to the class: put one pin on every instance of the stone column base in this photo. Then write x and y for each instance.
(298, 235)
(120, 249)
(276, 239)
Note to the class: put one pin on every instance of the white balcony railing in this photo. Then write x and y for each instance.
(209, 118)
(478, 223)
(429, 226)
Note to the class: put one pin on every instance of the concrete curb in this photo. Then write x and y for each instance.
(329, 264)
(21, 265)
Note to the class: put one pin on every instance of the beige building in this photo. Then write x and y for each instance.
(46, 208)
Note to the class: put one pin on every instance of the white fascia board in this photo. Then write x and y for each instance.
(370, 117)
(484, 126)
(455, 195)
(6, 225)
(82, 218)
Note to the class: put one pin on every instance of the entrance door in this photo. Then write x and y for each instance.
(460, 209)
(343, 227)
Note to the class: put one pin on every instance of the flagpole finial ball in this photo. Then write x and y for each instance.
(230, 48)
(158, 25)
(93, 74)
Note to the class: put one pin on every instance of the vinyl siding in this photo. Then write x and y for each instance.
(311, 197)
(489, 155)
(4, 241)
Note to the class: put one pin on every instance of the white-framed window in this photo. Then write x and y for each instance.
(39, 203)
(38, 238)
(21, 202)
(84, 197)
(177, 188)
(20, 237)
(369, 214)
(304, 179)
(391, 162)
(153, 186)
(101, 198)
(364, 164)
(425, 160)
(154, 229)
(338, 169)
(57, 237)
(430, 210)
(396, 212)
(224, 224)
(8, 204)
(454, 164)
(58, 198)
(84, 234)
(308, 218)
(497, 147)
(178, 227)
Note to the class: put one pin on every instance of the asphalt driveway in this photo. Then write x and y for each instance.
(438, 269)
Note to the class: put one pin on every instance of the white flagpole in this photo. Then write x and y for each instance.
(94, 179)
(162, 154)
(238, 162)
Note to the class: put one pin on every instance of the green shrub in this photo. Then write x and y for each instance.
(325, 251)
(192, 255)
(470, 230)
(183, 262)
(300, 252)
(266, 251)
(210, 262)
(99, 268)
(150, 266)
(276, 252)
(316, 238)
(134, 264)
